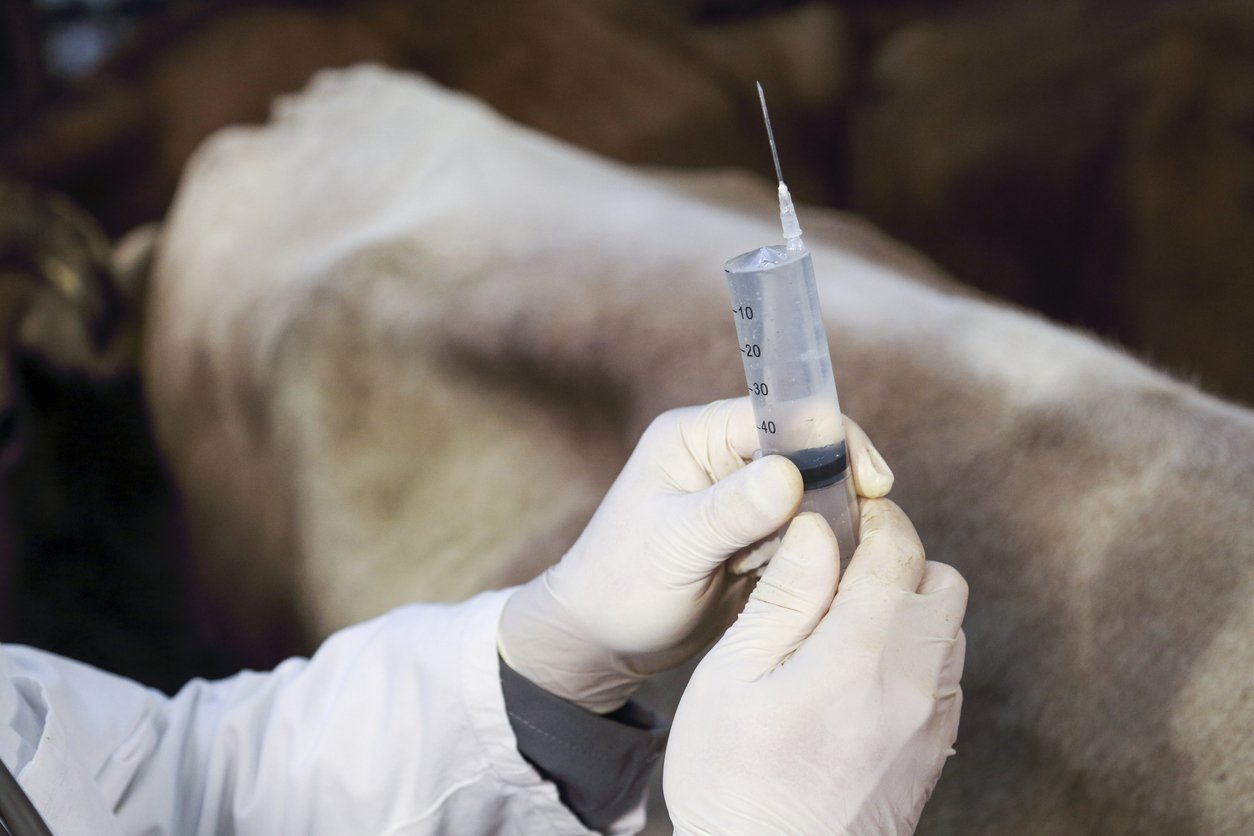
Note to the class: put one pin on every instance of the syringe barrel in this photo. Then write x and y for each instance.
(838, 504)
(788, 369)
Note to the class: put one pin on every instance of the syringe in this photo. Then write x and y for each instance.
(788, 368)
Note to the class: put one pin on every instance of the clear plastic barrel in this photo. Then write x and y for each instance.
(788, 369)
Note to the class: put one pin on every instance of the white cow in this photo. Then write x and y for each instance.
(398, 347)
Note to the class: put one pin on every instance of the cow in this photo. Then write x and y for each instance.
(397, 347)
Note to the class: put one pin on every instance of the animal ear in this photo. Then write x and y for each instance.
(61, 298)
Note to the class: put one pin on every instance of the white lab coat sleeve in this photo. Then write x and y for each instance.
(395, 726)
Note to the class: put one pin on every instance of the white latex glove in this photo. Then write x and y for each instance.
(645, 588)
(814, 715)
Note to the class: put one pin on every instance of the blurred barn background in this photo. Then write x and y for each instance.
(1091, 160)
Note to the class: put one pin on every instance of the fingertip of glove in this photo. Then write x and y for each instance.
(807, 534)
(777, 486)
(882, 469)
(755, 501)
(874, 483)
(810, 546)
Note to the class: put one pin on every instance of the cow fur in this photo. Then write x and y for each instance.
(398, 347)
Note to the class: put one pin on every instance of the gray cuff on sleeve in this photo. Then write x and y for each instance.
(599, 763)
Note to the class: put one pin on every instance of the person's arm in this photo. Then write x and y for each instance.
(398, 724)
(401, 722)
(599, 763)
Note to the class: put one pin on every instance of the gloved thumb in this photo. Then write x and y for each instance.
(740, 509)
(789, 601)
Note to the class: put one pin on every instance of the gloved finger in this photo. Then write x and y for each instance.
(949, 711)
(740, 509)
(951, 669)
(947, 593)
(889, 552)
(788, 602)
(949, 692)
(742, 432)
(871, 475)
(718, 438)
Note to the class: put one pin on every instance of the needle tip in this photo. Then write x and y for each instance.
(770, 135)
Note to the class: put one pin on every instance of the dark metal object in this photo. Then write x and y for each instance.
(17, 814)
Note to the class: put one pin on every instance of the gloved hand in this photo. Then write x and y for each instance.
(814, 715)
(645, 588)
